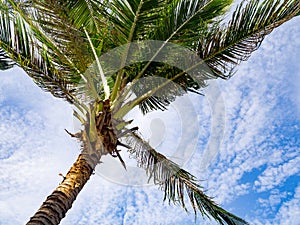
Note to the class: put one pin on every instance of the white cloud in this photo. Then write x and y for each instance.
(32, 151)
(269, 205)
(276, 175)
(42, 149)
(289, 212)
(255, 117)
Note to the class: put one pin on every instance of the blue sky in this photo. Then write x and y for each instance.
(255, 174)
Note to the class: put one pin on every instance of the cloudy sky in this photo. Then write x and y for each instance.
(254, 173)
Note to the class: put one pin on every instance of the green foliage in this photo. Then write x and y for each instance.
(184, 21)
(133, 20)
(176, 183)
(87, 14)
(30, 49)
(222, 48)
(5, 61)
(55, 42)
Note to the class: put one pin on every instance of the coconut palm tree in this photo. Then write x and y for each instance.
(89, 53)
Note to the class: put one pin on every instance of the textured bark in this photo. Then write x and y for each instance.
(60, 201)
(54, 209)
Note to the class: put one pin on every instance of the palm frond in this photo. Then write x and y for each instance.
(224, 48)
(132, 20)
(86, 13)
(175, 181)
(5, 61)
(55, 21)
(165, 77)
(29, 48)
(100, 71)
(169, 21)
(183, 21)
(90, 15)
(165, 95)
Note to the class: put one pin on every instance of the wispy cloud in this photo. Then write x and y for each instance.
(289, 212)
(276, 175)
(33, 146)
(261, 123)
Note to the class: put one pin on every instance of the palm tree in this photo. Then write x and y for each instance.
(58, 44)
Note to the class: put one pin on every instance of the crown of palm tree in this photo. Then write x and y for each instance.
(56, 42)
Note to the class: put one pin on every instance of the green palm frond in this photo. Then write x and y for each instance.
(183, 21)
(133, 20)
(161, 98)
(167, 94)
(89, 14)
(26, 45)
(86, 13)
(5, 61)
(175, 182)
(169, 21)
(224, 48)
(55, 21)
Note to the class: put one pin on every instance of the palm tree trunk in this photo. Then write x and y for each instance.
(54, 209)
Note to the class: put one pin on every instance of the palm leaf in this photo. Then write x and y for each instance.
(86, 13)
(183, 21)
(29, 48)
(56, 22)
(170, 21)
(5, 61)
(175, 182)
(133, 19)
(224, 48)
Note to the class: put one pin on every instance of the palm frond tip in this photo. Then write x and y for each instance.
(224, 48)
